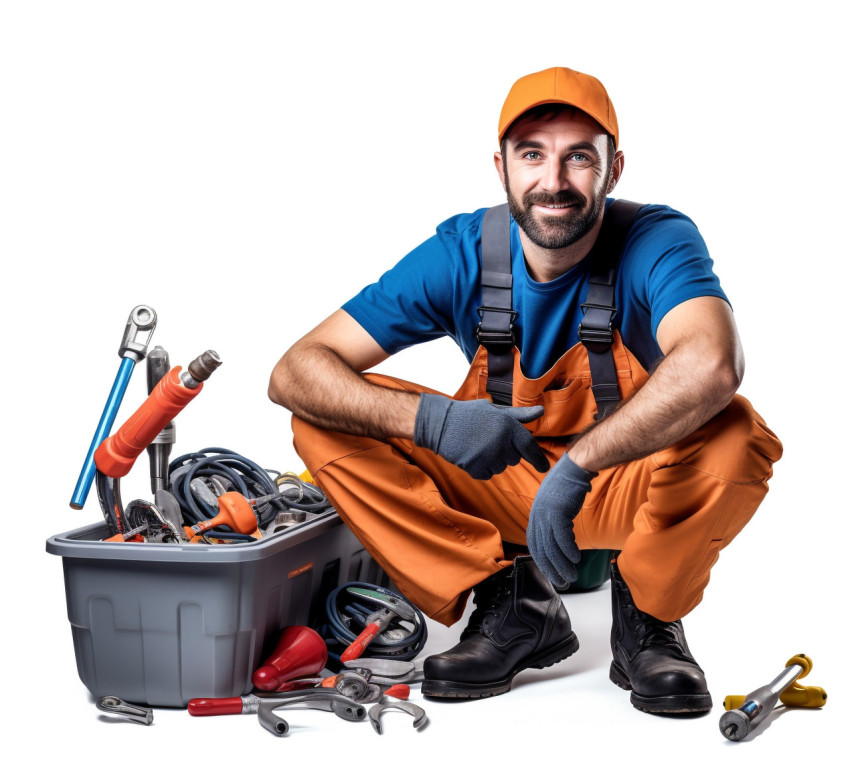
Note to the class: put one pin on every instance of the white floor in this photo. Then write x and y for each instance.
(567, 716)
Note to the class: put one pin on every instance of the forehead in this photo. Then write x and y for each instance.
(556, 122)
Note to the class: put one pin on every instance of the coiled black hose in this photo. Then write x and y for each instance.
(231, 472)
(346, 617)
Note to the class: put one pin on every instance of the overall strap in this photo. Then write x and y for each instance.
(496, 314)
(596, 330)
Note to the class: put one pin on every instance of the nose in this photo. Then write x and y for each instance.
(553, 177)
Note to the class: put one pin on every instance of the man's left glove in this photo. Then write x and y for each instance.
(550, 535)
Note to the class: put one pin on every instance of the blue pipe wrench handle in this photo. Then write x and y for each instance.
(104, 427)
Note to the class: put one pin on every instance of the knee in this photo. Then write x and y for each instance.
(736, 445)
(318, 447)
(308, 441)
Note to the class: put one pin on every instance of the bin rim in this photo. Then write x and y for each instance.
(67, 545)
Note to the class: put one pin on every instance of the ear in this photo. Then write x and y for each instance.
(500, 168)
(616, 170)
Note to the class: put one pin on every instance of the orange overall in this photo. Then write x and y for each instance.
(437, 531)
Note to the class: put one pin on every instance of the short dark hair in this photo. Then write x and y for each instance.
(550, 111)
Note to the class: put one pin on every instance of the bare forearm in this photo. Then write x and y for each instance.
(316, 384)
(684, 392)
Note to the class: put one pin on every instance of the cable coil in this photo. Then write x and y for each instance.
(221, 470)
(346, 618)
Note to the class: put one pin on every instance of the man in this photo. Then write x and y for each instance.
(609, 334)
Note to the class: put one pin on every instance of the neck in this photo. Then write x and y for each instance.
(547, 264)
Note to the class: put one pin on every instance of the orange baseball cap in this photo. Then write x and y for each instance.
(560, 85)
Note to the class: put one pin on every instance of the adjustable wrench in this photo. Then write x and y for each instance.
(349, 685)
(134, 344)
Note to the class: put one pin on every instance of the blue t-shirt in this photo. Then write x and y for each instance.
(436, 289)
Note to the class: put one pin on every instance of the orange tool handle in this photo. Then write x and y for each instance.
(235, 511)
(361, 642)
(201, 707)
(116, 455)
(398, 691)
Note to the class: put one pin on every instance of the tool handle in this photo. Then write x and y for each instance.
(361, 642)
(235, 511)
(398, 691)
(158, 366)
(117, 454)
(104, 427)
(202, 707)
(124, 538)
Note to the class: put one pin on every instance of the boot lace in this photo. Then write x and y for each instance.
(665, 637)
(490, 597)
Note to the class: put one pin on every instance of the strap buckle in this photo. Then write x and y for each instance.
(496, 340)
(597, 338)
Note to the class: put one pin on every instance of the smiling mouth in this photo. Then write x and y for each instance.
(556, 206)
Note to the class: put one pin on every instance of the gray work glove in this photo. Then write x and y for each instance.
(550, 535)
(478, 436)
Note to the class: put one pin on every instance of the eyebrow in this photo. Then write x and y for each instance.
(536, 145)
(528, 144)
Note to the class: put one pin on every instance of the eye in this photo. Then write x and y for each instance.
(579, 159)
(532, 156)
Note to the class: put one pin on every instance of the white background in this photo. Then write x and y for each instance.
(244, 168)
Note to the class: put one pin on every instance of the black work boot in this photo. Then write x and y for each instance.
(519, 622)
(652, 659)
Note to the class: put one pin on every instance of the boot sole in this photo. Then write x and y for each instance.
(681, 704)
(448, 689)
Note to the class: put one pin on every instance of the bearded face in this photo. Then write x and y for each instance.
(573, 215)
(556, 165)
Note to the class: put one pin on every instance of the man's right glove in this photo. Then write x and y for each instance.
(550, 537)
(478, 436)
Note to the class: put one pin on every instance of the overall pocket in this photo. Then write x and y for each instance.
(567, 410)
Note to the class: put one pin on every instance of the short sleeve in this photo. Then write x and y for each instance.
(412, 302)
(666, 262)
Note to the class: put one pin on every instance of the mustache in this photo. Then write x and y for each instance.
(561, 198)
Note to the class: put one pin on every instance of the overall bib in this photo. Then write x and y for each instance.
(437, 531)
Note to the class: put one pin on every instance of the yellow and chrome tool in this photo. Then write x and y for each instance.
(745, 713)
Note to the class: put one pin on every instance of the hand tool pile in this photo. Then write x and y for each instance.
(289, 678)
(285, 680)
(217, 497)
(214, 496)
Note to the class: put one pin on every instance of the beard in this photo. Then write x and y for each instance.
(556, 231)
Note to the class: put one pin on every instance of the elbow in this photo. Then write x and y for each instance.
(277, 383)
(725, 374)
(274, 393)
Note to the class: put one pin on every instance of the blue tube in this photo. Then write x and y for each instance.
(104, 427)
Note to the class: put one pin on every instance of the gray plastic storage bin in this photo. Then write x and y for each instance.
(162, 624)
